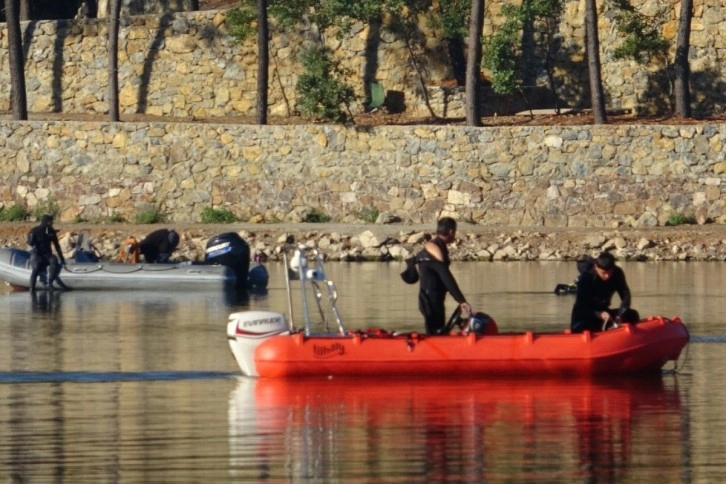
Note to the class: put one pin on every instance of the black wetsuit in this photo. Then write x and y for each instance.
(436, 280)
(40, 239)
(593, 297)
(158, 245)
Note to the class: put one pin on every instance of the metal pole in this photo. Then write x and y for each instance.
(303, 270)
(290, 323)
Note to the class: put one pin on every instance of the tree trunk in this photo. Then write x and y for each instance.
(18, 100)
(263, 61)
(597, 95)
(682, 67)
(113, 28)
(473, 63)
(24, 10)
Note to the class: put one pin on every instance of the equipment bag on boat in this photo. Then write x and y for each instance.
(129, 251)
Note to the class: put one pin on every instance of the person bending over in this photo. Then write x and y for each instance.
(158, 246)
(40, 239)
(595, 288)
(436, 278)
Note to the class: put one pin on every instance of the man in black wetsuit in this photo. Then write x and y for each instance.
(436, 278)
(595, 289)
(158, 245)
(40, 239)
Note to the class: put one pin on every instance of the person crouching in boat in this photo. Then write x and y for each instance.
(40, 239)
(436, 278)
(158, 245)
(595, 288)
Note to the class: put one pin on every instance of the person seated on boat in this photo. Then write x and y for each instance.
(158, 245)
(40, 239)
(436, 278)
(595, 288)
(84, 250)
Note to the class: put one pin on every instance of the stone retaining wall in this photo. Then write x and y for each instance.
(569, 176)
(186, 64)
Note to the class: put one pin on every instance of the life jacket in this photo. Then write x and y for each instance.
(129, 251)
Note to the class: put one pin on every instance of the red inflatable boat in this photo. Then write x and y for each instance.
(264, 344)
(629, 349)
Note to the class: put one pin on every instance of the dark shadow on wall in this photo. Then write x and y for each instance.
(153, 53)
(209, 33)
(63, 28)
(573, 83)
(373, 41)
(656, 99)
(421, 56)
(28, 37)
(708, 93)
(157, 7)
(540, 45)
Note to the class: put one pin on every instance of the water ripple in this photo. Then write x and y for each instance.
(717, 338)
(113, 376)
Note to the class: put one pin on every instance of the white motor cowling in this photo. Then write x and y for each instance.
(247, 330)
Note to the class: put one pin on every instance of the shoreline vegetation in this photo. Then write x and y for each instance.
(395, 242)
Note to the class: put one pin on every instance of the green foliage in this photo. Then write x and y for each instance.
(49, 206)
(679, 218)
(80, 219)
(641, 35)
(321, 92)
(316, 216)
(327, 13)
(541, 9)
(322, 13)
(369, 215)
(502, 55)
(217, 216)
(149, 215)
(452, 18)
(116, 218)
(14, 213)
(239, 21)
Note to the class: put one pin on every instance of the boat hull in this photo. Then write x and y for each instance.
(15, 269)
(630, 349)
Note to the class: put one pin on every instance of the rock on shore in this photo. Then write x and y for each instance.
(352, 242)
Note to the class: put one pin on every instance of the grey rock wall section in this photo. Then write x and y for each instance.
(569, 176)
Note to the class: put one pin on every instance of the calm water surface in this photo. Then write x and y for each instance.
(142, 387)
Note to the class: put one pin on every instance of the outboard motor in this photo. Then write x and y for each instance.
(249, 329)
(229, 249)
(481, 324)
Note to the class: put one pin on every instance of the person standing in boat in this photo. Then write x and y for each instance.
(436, 278)
(40, 239)
(595, 288)
(158, 245)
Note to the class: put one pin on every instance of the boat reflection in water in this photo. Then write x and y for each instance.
(51, 302)
(460, 429)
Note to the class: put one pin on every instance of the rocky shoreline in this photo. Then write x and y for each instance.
(387, 242)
